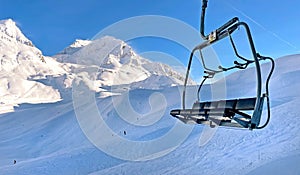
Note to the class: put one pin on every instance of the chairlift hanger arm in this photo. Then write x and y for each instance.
(220, 29)
(204, 6)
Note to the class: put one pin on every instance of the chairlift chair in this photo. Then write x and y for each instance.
(228, 112)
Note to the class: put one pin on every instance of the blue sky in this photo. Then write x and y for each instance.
(52, 25)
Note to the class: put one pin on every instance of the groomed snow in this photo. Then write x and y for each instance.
(46, 138)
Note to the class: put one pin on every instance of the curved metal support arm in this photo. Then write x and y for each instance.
(204, 65)
(267, 89)
(235, 50)
(237, 65)
(257, 111)
(198, 97)
(186, 78)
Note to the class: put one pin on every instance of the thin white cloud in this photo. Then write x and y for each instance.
(264, 28)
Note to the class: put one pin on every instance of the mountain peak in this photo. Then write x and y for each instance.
(11, 32)
(80, 43)
(8, 22)
(106, 44)
(74, 47)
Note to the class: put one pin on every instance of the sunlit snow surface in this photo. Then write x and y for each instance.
(46, 138)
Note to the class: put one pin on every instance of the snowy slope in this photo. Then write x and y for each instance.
(47, 139)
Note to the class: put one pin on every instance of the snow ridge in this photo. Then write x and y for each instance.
(9, 31)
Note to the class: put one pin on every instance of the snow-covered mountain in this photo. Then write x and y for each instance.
(118, 64)
(27, 76)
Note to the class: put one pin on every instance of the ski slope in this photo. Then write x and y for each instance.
(47, 139)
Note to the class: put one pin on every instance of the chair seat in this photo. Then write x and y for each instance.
(220, 112)
(237, 104)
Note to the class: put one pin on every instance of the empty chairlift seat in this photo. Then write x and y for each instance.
(223, 112)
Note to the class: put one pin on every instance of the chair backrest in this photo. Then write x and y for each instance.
(236, 104)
